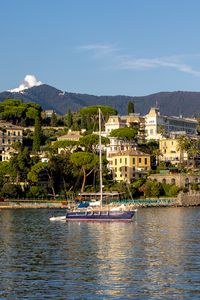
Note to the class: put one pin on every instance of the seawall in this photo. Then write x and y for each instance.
(191, 198)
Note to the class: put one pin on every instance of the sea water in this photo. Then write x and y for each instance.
(157, 256)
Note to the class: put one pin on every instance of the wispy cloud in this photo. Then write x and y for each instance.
(127, 62)
(148, 63)
(99, 49)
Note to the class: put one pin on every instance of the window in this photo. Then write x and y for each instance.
(133, 160)
(140, 160)
(14, 133)
(145, 161)
(125, 161)
(151, 131)
(120, 160)
(115, 161)
(125, 169)
(19, 133)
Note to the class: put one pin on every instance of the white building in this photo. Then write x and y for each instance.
(155, 123)
(116, 122)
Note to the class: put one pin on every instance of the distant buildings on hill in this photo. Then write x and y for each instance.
(124, 159)
(126, 162)
(154, 124)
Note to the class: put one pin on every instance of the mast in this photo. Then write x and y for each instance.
(100, 161)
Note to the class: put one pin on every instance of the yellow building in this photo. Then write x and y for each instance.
(170, 152)
(129, 165)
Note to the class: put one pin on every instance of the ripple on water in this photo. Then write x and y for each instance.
(154, 257)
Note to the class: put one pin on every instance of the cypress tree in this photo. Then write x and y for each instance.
(69, 119)
(37, 137)
(54, 119)
(130, 108)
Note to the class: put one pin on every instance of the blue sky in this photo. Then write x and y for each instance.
(101, 47)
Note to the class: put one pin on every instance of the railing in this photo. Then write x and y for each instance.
(148, 202)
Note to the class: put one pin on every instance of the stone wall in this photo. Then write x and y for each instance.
(188, 199)
(181, 180)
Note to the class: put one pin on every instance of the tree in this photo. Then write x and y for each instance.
(18, 112)
(90, 114)
(130, 108)
(157, 153)
(54, 119)
(198, 126)
(174, 190)
(37, 192)
(35, 171)
(87, 162)
(11, 190)
(190, 146)
(91, 142)
(193, 150)
(31, 114)
(37, 137)
(127, 133)
(59, 172)
(69, 119)
(149, 147)
(4, 172)
(19, 165)
(151, 189)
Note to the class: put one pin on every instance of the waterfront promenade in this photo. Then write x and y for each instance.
(183, 199)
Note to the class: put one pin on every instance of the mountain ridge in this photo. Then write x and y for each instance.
(184, 103)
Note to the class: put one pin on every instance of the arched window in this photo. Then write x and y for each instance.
(173, 181)
(187, 182)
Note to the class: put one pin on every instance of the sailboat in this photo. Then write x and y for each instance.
(101, 214)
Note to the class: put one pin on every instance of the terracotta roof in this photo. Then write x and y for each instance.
(130, 153)
(73, 135)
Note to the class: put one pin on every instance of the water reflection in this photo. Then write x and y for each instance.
(155, 257)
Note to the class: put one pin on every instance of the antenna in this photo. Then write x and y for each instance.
(157, 106)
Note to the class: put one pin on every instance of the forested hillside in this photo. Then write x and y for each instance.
(170, 103)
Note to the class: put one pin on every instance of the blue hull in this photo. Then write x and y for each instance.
(100, 216)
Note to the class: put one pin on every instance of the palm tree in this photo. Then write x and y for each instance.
(183, 146)
(194, 150)
(157, 153)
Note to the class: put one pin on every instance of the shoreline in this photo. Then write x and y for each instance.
(182, 200)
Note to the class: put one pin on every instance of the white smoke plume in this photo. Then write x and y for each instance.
(28, 82)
